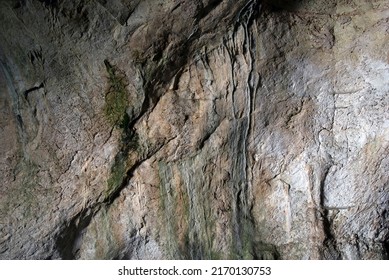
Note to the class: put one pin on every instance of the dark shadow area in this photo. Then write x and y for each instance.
(310, 6)
(53, 3)
(386, 250)
(284, 4)
(66, 242)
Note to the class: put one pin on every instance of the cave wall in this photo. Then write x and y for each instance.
(194, 129)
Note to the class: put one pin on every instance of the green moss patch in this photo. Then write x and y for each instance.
(115, 110)
(118, 172)
(116, 98)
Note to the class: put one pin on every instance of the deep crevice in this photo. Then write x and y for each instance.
(330, 250)
(66, 240)
(27, 92)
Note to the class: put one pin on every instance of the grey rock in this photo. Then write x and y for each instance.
(194, 129)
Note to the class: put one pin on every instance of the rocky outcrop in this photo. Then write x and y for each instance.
(194, 129)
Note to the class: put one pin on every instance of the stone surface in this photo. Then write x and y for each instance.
(194, 129)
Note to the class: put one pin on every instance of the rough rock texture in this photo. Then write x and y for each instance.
(194, 129)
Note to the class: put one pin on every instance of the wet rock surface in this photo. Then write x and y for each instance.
(194, 129)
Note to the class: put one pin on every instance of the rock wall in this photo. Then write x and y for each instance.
(194, 129)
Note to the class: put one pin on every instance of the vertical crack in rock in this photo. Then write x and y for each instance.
(242, 126)
(330, 250)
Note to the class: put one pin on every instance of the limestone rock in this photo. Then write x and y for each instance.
(212, 129)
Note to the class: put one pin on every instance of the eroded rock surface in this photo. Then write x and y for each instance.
(194, 129)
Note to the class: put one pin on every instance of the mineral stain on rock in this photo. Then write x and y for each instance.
(177, 129)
